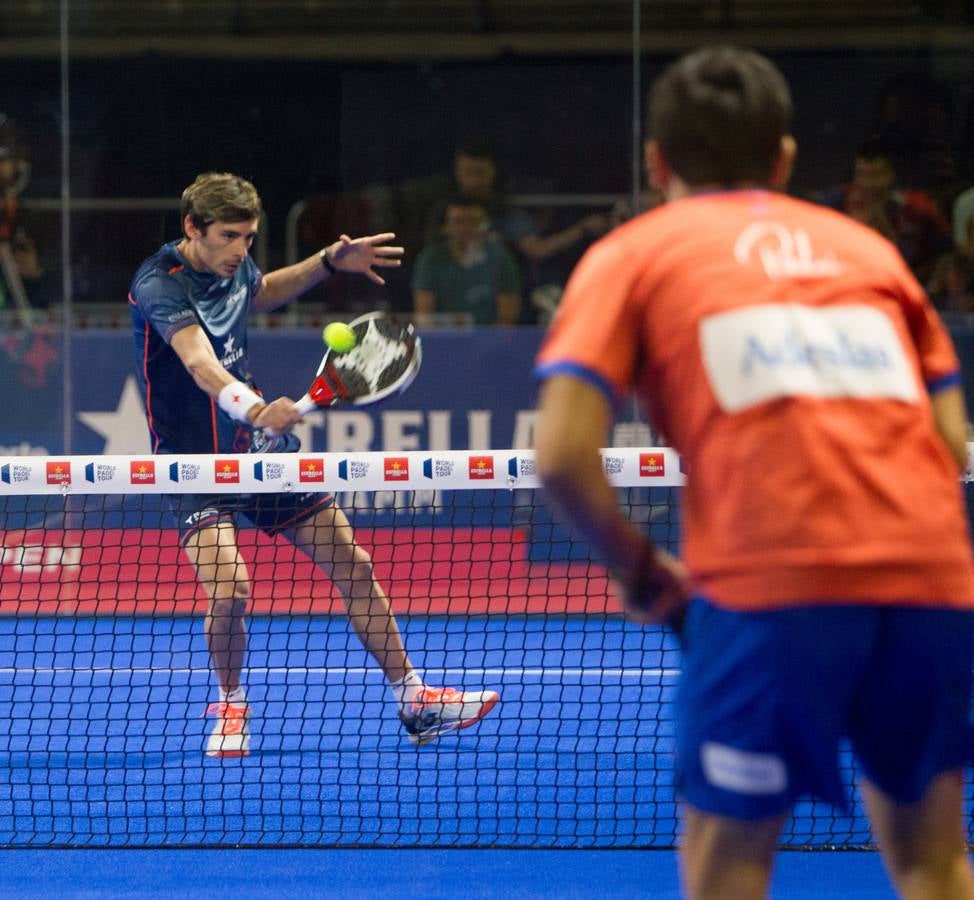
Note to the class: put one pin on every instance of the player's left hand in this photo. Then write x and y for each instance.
(364, 254)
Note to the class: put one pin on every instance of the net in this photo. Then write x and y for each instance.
(104, 670)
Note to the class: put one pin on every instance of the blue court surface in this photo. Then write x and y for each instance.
(406, 874)
(101, 748)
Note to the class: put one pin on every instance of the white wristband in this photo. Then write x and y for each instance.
(236, 400)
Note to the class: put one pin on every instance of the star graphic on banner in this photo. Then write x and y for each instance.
(124, 430)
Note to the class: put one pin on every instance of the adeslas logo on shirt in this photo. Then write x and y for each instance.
(757, 353)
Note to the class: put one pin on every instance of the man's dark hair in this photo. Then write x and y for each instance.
(219, 197)
(463, 202)
(476, 148)
(718, 115)
(878, 147)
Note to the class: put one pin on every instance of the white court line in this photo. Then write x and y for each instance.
(338, 670)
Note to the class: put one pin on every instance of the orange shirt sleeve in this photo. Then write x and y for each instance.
(938, 358)
(595, 332)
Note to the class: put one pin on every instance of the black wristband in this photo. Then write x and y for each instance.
(327, 263)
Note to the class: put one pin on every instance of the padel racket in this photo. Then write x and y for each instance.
(384, 361)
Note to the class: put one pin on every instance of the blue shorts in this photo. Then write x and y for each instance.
(271, 513)
(765, 698)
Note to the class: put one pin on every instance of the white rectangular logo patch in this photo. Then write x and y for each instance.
(742, 771)
(758, 353)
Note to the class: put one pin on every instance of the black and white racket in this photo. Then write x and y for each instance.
(384, 361)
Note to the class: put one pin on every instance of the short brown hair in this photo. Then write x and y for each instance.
(718, 115)
(219, 197)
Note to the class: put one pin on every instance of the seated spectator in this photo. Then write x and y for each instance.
(475, 176)
(15, 230)
(963, 219)
(468, 271)
(951, 286)
(917, 115)
(908, 218)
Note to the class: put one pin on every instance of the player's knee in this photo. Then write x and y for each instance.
(234, 603)
(341, 558)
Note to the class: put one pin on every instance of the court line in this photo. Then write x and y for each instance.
(341, 670)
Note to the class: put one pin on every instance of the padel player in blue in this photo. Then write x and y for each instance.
(190, 303)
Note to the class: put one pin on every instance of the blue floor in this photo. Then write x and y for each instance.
(406, 874)
(101, 740)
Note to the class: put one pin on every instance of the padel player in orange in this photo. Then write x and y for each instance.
(788, 354)
(190, 304)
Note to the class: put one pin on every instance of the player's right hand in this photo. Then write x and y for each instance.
(278, 417)
(658, 594)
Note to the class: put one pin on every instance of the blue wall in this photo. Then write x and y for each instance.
(475, 390)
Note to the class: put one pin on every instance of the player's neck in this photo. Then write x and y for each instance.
(678, 189)
(185, 248)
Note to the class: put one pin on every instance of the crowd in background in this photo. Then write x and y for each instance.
(477, 255)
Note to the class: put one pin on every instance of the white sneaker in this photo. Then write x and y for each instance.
(437, 711)
(231, 734)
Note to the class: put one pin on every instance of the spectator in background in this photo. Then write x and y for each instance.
(476, 177)
(951, 286)
(916, 113)
(15, 230)
(908, 218)
(468, 271)
(963, 219)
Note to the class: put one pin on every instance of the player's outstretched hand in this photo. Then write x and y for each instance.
(658, 593)
(364, 254)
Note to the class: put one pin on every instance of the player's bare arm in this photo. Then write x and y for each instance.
(196, 354)
(573, 423)
(354, 255)
(950, 416)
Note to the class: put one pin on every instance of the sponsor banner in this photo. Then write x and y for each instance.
(142, 471)
(522, 472)
(328, 472)
(15, 473)
(226, 471)
(652, 465)
(311, 471)
(396, 468)
(427, 571)
(58, 472)
(481, 468)
(353, 469)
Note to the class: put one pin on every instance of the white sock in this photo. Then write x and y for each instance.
(405, 690)
(237, 695)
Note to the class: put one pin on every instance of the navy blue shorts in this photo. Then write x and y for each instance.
(765, 699)
(271, 513)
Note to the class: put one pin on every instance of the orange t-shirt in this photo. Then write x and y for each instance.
(788, 354)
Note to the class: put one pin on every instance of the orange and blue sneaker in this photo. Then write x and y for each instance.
(437, 711)
(230, 736)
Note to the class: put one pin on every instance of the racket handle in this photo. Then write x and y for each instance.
(306, 404)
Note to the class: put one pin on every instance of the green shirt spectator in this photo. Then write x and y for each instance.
(467, 271)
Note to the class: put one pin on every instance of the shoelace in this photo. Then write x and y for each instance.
(437, 695)
(233, 715)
